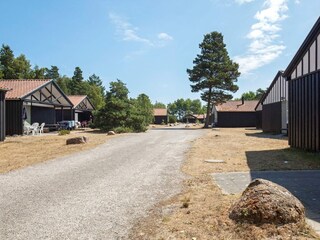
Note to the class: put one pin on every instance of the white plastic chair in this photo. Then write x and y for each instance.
(34, 128)
(27, 128)
(40, 129)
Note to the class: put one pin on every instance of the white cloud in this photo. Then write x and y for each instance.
(264, 46)
(165, 37)
(127, 30)
(243, 1)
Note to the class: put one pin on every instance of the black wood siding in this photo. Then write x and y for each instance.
(66, 114)
(43, 115)
(304, 112)
(271, 117)
(259, 119)
(160, 119)
(2, 116)
(14, 123)
(237, 119)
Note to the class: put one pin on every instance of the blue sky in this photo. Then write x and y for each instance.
(150, 44)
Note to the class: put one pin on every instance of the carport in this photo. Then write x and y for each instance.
(80, 112)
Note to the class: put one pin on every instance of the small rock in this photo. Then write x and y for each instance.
(111, 133)
(77, 140)
(266, 202)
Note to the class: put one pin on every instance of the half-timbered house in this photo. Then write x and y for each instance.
(32, 101)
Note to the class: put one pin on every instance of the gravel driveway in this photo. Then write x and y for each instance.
(96, 194)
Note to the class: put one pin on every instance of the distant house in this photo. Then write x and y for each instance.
(235, 114)
(193, 118)
(160, 115)
(32, 101)
(80, 112)
(3, 113)
(273, 106)
(303, 76)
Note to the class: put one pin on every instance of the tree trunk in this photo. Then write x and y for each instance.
(207, 123)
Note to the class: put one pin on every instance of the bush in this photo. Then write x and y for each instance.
(172, 119)
(122, 130)
(63, 132)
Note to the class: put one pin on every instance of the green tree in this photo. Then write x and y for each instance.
(259, 93)
(22, 68)
(1, 72)
(252, 95)
(117, 108)
(39, 73)
(159, 105)
(182, 107)
(145, 108)
(53, 73)
(64, 83)
(249, 96)
(214, 74)
(94, 94)
(76, 87)
(7, 62)
(95, 80)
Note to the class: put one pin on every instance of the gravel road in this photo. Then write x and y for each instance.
(96, 194)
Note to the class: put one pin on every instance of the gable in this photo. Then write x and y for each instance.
(277, 91)
(307, 58)
(49, 94)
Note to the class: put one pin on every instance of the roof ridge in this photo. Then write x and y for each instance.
(47, 79)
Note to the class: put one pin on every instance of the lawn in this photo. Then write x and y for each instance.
(201, 210)
(22, 151)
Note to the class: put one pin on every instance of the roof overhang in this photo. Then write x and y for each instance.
(280, 73)
(48, 93)
(315, 31)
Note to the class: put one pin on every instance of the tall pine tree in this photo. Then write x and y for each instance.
(214, 74)
(7, 62)
(77, 87)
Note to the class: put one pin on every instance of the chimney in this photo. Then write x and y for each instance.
(242, 100)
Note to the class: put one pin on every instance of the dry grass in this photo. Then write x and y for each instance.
(22, 151)
(206, 216)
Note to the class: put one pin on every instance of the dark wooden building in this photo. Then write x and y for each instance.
(32, 101)
(2, 113)
(193, 118)
(273, 106)
(303, 75)
(160, 116)
(235, 114)
(80, 112)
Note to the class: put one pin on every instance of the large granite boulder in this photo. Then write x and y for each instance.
(77, 140)
(266, 202)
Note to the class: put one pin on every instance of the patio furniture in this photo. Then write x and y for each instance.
(34, 128)
(27, 128)
(40, 129)
(65, 125)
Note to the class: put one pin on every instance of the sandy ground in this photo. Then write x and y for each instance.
(22, 151)
(201, 210)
